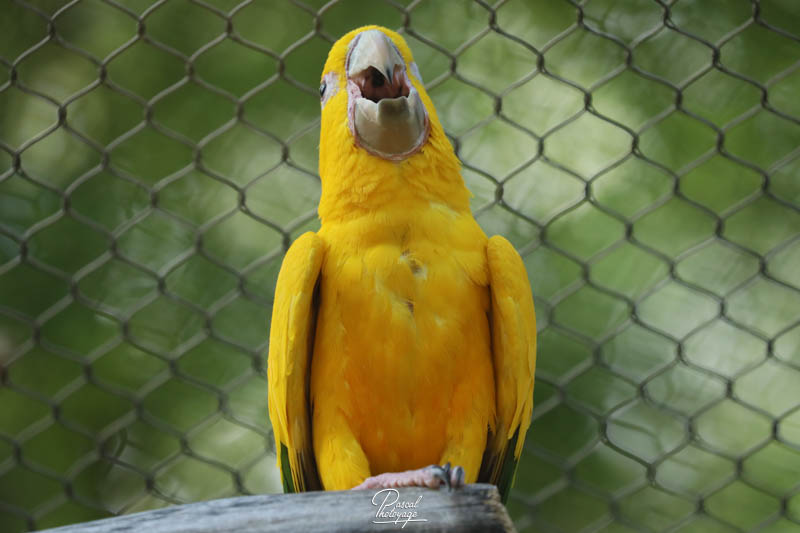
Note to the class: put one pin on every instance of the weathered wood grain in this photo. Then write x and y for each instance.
(474, 508)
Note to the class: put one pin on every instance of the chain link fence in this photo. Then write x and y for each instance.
(158, 157)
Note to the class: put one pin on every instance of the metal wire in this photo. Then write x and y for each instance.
(617, 475)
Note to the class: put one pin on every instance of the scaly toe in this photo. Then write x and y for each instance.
(433, 476)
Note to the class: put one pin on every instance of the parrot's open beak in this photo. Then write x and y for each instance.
(386, 115)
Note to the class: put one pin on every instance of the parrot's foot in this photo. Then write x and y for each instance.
(433, 476)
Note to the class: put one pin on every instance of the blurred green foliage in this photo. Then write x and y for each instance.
(156, 158)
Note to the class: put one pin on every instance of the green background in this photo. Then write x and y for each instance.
(157, 158)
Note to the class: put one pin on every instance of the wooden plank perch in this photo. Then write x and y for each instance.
(474, 508)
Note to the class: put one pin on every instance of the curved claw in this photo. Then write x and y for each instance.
(457, 477)
(452, 478)
(442, 473)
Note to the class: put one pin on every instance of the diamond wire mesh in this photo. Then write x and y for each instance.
(157, 158)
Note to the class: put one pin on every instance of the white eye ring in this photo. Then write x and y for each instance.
(328, 87)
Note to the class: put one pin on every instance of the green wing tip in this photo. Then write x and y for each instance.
(509, 468)
(286, 471)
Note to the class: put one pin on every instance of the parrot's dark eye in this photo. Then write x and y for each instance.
(322, 90)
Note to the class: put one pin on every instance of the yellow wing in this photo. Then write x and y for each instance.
(291, 341)
(513, 324)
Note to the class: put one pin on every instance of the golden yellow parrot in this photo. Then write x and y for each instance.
(401, 336)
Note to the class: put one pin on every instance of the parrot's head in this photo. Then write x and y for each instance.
(371, 76)
(377, 118)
